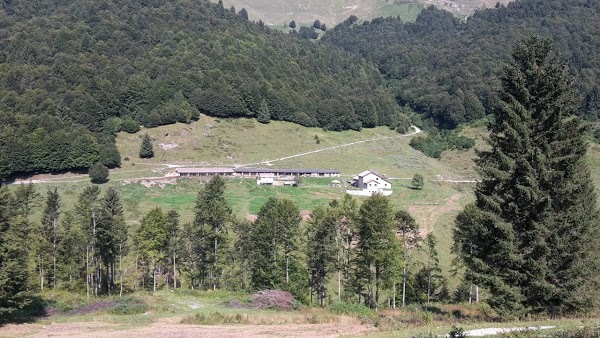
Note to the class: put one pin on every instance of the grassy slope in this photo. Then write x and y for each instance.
(243, 141)
(246, 141)
(332, 12)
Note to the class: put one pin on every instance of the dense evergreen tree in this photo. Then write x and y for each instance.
(13, 257)
(85, 232)
(376, 246)
(345, 212)
(112, 236)
(174, 234)
(321, 251)
(49, 237)
(429, 282)
(417, 182)
(146, 148)
(408, 232)
(98, 173)
(213, 216)
(275, 262)
(531, 235)
(151, 241)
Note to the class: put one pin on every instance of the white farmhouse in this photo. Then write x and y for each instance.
(370, 183)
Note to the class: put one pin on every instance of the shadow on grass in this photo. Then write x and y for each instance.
(35, 309)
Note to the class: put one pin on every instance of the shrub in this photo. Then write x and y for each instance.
(215, 318)
(431, 145)
(417, 182)
(129, 125)
(435, 143)
(343, 308)
(98, 173)
(457, 332)
(128, 306)
(273, 299)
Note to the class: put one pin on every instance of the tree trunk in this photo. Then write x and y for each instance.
(394, 297)
(377, 277)
(339, 268)
(404, 272)
(41, 270)
(153, 278)
(174, 272)
(215, 267)
(287, 272)
(87, 271)
(120, 270)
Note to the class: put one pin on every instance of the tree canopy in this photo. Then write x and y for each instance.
(531, 235)
(446, 69)
(74, 73)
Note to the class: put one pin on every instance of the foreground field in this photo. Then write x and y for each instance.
(209, 314)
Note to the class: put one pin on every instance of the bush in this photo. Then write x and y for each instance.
(128, 306)
(435, 143)
(431, 145)
(457, 332)
(417, 182)
(130, 126)
(215, 319)
(273, 299)
(343, 308)
(98, 173)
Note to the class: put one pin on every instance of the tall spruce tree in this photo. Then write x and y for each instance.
(50, 236)
(146, 149)
(111, 233)
(530, 235)
(321, 250)
(376, 246)
(13, 257)
(213, 215)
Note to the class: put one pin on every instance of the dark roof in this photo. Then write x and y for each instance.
(286, 171)
(205, 170)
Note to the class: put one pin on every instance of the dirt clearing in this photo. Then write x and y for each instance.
(170, 327)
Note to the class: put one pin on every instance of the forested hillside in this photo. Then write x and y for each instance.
(446, 69)
(74, 73)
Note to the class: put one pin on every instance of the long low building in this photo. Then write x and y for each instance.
(253, 172)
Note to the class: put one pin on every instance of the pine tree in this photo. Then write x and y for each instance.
(146, 149)
(98, 173)
(429, 279)
(321, 250)
(213, 215)
(111, 233)
(173, 232)
(530, 235)
(408, 230)
(275, 262)
(152, 240)
(376, 244)
(87, 209)
(264, 113)
(13, 257)
(417, 182)
(50, 237)
(345, 233)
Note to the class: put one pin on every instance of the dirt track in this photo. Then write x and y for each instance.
(170, 327)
